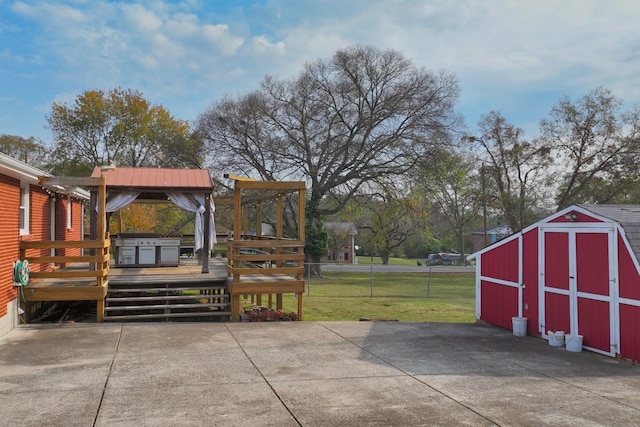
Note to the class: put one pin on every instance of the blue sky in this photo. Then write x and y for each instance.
(514, 56)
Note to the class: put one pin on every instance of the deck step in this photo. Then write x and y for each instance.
(164, 298)
(223, 315)
(117, 288)
(166, 306)
(168, 300)
(166, 280)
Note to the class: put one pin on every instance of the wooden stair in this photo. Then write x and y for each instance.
(166, 298)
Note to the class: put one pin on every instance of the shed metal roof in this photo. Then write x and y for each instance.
(628, 216)
(155, 178)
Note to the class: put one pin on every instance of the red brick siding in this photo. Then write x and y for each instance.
(9, 238)
(77, 224)
(39, 224)
(62, 232)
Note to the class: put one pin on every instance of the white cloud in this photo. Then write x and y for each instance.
(141, 20)
(506, 53)
(262, 45)
(218, 35)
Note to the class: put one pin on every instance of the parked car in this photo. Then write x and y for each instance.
(443, 258)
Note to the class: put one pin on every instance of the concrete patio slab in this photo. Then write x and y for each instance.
(305, 373)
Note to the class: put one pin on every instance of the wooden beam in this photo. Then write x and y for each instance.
(63, 244)
(207, 241)
(286, 186)
(71, 181)
(259, 220)
(238, 177)
(65, 293)
(63, 274)
(269, 243)
(301, 215)
(260, 288)
(279, 215)
(66, 259)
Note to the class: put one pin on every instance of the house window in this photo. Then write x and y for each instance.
(24, 208)
(69, 215)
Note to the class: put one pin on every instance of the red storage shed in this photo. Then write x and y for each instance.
(576, 271)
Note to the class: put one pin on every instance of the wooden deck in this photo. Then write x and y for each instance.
(147, 282)
(136, 293)
(256, 265)
(187, 272)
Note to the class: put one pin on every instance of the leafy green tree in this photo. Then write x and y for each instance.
(119, 127)
(423, 243)
(362, 115)
(391, 220)
(316, 245)
(28, 150)
(453, 184)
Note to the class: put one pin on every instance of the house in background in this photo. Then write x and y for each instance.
(30, 211)
(342, 246)
(494, 233)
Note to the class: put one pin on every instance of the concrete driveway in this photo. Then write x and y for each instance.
(305, 373)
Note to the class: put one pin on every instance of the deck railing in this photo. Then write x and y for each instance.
(265, 267)
(265, 256)
(97, 267)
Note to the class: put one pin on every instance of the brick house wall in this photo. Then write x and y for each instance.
(13, 175)
(9, 238)
(39, 223)
(63, 232)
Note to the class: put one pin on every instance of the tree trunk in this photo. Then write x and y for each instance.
(312, 267)
(462, 259)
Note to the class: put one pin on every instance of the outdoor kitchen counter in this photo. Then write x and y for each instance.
(146, 249)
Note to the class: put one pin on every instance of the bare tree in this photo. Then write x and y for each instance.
(517, 168)
(598, 145)
(361, 115)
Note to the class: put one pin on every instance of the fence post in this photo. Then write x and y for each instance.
(308, 279)
(371, 291)
(429, 282)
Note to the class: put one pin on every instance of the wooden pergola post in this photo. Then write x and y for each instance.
(301, 236)
(231, 254)
(104, 251)
(207, 240)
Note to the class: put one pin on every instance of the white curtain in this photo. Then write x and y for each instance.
(195, 203)
(119, 200)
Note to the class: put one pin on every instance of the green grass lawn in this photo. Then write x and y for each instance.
(367, 260)
(408, 297)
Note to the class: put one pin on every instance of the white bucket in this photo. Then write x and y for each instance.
(574, 343)
(519, 326)
(556, 339)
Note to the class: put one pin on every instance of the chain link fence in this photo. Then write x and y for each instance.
(390, 281)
